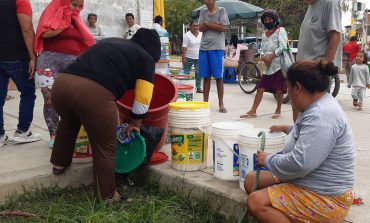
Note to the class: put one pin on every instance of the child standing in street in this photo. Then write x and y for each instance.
(359, 79)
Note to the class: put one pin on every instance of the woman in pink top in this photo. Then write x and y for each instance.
(61, 36)
(232, 52)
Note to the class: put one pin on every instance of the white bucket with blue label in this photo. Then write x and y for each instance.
(226, 150)
(249, 143)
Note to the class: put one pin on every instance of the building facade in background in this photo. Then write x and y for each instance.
(111, 13)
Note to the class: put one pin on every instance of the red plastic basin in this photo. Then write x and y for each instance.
(164, 92)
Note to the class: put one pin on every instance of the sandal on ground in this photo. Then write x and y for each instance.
(355, 103)
(58, 171)
(276, 116)
(8, 97)
(199, 91)
(222, 110)
(249, 115)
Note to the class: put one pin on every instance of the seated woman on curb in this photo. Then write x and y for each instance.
(312, 180)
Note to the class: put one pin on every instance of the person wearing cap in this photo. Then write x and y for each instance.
(86, 92)
(273, 42)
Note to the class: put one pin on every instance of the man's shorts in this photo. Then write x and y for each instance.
(211, 63)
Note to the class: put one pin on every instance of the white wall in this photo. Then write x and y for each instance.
(110, 13)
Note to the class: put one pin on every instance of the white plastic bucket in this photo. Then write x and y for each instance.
(226, 150)
(185, 79)
(189, 149)
(189, 144)
(249, 143)
(186, 118)
(186, 92)
(161, 68)
(165, 48)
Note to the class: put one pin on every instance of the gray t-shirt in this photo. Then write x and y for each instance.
(321, 18)
(359, 76)
(211, 39)
(319, 152)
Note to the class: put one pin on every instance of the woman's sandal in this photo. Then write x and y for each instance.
(249, 115)
(222, 110)
(58, 171)
(276, 116)
(8, 97)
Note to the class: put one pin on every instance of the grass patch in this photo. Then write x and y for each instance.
(149, 203)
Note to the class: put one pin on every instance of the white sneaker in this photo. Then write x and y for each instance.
(4, 140)
(25, 137)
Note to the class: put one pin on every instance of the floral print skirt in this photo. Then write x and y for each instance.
(302, 205)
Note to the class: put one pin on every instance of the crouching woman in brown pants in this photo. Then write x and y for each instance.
(86, 93)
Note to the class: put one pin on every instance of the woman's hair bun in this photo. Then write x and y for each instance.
(327, 68)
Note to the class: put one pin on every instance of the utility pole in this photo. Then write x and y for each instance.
(365, 25)
(354, 2)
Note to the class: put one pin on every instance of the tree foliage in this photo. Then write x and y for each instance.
(291, 13)
(177, 13)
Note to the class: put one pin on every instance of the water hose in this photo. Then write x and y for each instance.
(244, 217)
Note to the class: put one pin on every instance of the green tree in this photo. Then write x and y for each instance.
(291, 12)
(177, 13)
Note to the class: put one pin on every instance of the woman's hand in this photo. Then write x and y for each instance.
(133, 126)
(279, 128)
(268, 59)
(275, 128)
(261, 157)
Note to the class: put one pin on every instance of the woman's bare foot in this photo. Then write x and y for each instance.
(276, 116)
(249, 115)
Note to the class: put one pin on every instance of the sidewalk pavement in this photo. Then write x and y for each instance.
(28, 164)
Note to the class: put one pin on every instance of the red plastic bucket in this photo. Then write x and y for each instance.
(164, 92)
(186, 92)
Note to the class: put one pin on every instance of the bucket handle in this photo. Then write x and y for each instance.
(244, 216)
(223, 140)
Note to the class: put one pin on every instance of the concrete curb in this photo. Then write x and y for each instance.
(223, 196)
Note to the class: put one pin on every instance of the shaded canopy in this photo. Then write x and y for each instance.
(235, 9)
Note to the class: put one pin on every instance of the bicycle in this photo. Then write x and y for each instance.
(249, 72)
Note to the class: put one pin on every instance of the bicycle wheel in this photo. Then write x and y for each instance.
(335, 85)
(248, 76)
